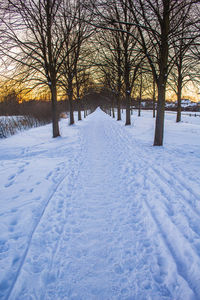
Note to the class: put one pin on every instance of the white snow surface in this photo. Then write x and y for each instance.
(99, 213)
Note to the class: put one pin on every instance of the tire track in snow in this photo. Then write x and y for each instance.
(190, 234)
(193, 283)
(162, 288)
(191, 214)
(177, 190)
(144, 163)
(184, 206)
(191, 217)
(178, 256)
(179, 260)
(30, 239)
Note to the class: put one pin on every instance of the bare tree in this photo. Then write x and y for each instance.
(124, 53)
(140, 93)
(154, 98)
(82, 78)
(184, 69)
(109, 63)
(157, 23)
(76, 32)
(131, 55)
(34, 42)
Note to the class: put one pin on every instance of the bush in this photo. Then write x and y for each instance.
(12, 125)
(28, 114)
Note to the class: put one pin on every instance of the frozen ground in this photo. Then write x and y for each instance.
(100, 213)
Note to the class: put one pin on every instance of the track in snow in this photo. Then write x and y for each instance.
(112, 227)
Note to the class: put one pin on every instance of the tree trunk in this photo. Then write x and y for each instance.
(163, 72)
(140, 99)
(139, 107)
(128, 90)
(70, 97)
(119, 80)
(178, 116)
(78, 97)
(71, 111)
(79, 111)
(128, 111)
(51, 72)
(154, 99)
(113, 108)
(118, 108)
(79, 108)
(159, 130)
(55, 125)
(113, 112)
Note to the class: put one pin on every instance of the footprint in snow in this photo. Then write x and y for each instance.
(4, 285)
(9, 184)
(118, 269)
(124, 291)
(4, 247)
(11, 228)
(21, 171)
(13, 222)
(48, 175)
(15, 260)
(11, 177)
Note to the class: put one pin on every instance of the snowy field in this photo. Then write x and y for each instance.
(99, 213)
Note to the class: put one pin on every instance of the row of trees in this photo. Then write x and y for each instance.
(156, 38)
(46, 41)
(123, 44)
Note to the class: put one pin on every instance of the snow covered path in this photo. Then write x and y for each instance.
(105, 217)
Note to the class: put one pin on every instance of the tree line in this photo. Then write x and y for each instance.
(130, 47)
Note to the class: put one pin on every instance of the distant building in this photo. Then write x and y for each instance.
(186, 104)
